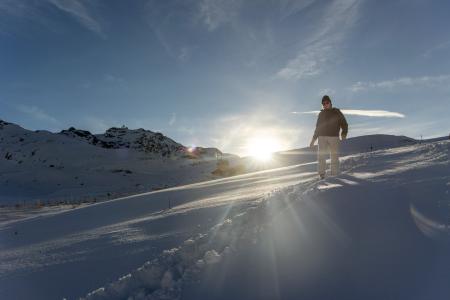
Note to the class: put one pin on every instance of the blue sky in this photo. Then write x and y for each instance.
(220, 72)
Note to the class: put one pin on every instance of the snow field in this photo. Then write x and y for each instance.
(393, 174)
(163, 278)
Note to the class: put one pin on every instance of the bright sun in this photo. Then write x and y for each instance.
(261, 148)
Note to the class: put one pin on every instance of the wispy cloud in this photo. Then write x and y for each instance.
(162, 39)
(338, 18)
(110, 78)
(78, 10)
(34, 10)
(215, 13)
(94, 124)
(173, 33)
(186, 130)
(23, 10)
(173, 119)
(292, 7)
(185, 53)
(424, 81)
(439, 47)
(359, 112)
(36, 113)
(12, 7)
(373, 113)
(328, 92)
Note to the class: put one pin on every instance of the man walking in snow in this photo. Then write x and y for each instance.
(329, 123)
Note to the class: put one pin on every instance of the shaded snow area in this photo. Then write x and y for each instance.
(380, 230)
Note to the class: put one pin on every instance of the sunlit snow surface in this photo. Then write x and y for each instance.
(275, 234)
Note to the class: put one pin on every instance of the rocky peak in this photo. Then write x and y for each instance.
(81, 135)
(3, 123)
(116, 131)
(141, 140)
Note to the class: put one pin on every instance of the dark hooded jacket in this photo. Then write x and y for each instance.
(330, 122)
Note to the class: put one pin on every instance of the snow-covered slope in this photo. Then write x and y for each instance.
(380, 230)
(74, 165)
(353, 145)
(374, 142)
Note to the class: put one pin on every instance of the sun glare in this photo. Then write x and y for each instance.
(262, 148)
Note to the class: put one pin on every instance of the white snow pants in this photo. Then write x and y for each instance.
(328, 145)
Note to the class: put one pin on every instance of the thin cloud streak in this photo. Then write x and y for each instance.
(292, 7)
(36, 113)
(19, 10)
(173, 119)
(95, 124)
(338, 19)
(358, 112)
(328, 92)
(172, 33)
(113, 79)
(424, 81)
(373, 113)
(77, 9)
(13, 7)
(215, 13)
(440, 47)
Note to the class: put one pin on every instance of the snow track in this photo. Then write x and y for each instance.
(101, 242)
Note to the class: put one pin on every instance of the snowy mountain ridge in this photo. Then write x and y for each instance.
(75, 164)
(114, 138)
(137, 139)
